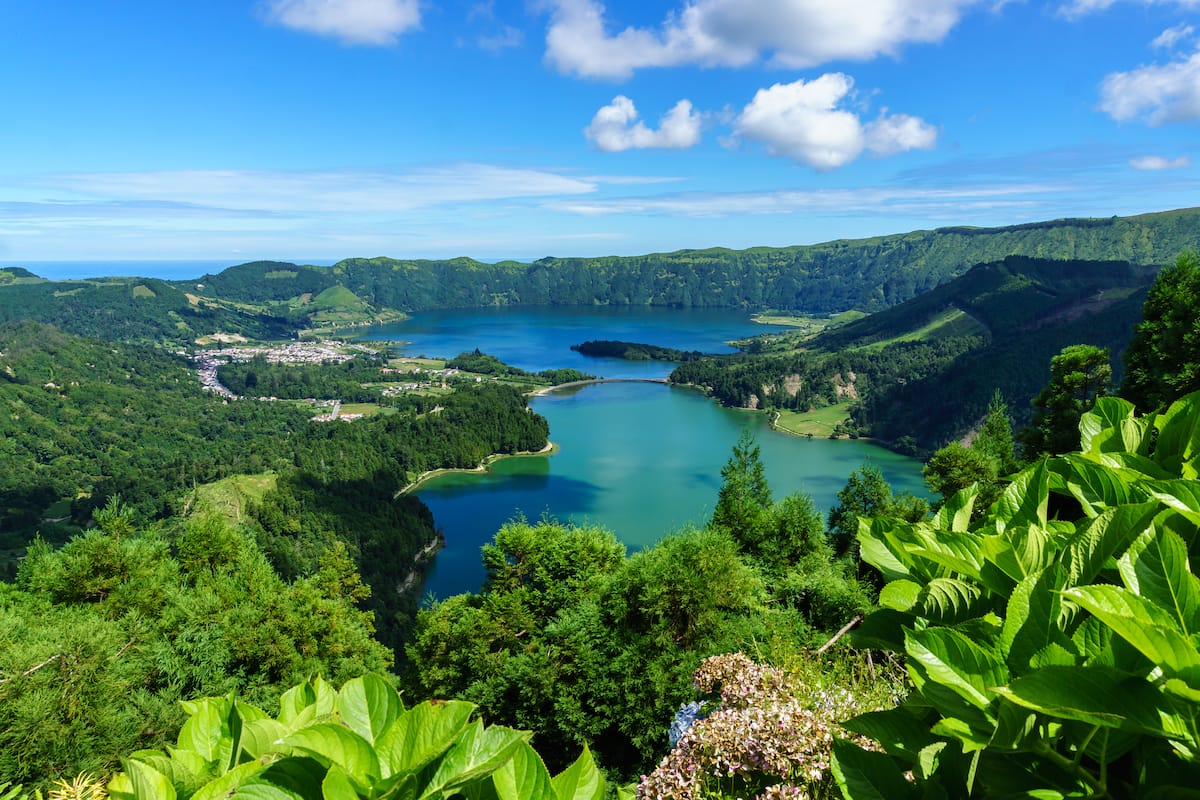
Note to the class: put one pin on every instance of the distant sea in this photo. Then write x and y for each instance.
(166, 270)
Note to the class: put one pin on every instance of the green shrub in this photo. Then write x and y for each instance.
(1052, 645)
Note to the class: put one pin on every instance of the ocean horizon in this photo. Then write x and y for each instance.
(164, 269)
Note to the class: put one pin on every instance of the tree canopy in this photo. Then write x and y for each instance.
(1163, 360)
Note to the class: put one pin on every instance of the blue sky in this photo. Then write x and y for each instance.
(322, 129)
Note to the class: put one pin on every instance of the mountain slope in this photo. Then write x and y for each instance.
(869, 274)
(928, 367)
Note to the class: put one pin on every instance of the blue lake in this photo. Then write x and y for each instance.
(641, 459)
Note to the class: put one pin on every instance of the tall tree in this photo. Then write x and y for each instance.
(995, 439)
(1162, 362)
(1079, 374)
(866, 494)
(745, 496)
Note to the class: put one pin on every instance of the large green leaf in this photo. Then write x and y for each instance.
(1103, 538)
(301, 775)
(476, 753)
(948, 658)
(209, 729)
(900, 595)
(297, 777)
(1032, 619)
(336, 744)
(1182, 496)
(955, 513)
(947, 601)
(1157, 568)
(864, 775)
(224, 785)
(146, 782)
(1179, 433)
(523, 776)
(261, 736)
(1097, 486)
(185, 774)
(1024, 501)
(1018, 552)
(1110, 426)
(959, 553)
(421, 734)
(295, 701)
(1093, 695)
(580, 781)
(368, 705)
(1150, 629)
(877, 548)
(896, 729)
(337, 785)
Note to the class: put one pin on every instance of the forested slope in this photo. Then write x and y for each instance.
(870, 274)
(927, 368)
(83, 421)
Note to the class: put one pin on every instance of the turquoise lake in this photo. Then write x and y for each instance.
(641, 459)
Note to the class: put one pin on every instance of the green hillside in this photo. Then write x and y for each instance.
(869, 274)
(134, 309)
(926, 368)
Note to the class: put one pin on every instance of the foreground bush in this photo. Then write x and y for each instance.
(359, 742)
(1053, 646)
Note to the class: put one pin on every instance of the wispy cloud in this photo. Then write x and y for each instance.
(357, 22)
(1173, 36)
(791, 33)
(370, 191)
(505, 38)
(1156, 163)
(1076, 9)
(877, 200)
(617, 127)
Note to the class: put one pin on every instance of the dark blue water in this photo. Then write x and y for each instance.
(537, 338)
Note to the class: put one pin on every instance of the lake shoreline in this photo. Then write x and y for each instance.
(545, 390)
(484, 466)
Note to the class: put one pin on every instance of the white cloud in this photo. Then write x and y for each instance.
(795, 33)
(369, 22)
(895, 133)
(1173, 36)
(1160, 162)
(1157, 93)
(804, 121)
(1081, 8)
(616, 127)
(871, 200)
(299, 191)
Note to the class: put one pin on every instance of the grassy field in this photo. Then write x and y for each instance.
(366, 409)
(819, 423)
(405, 364)
(951, 322)
(228, 496)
